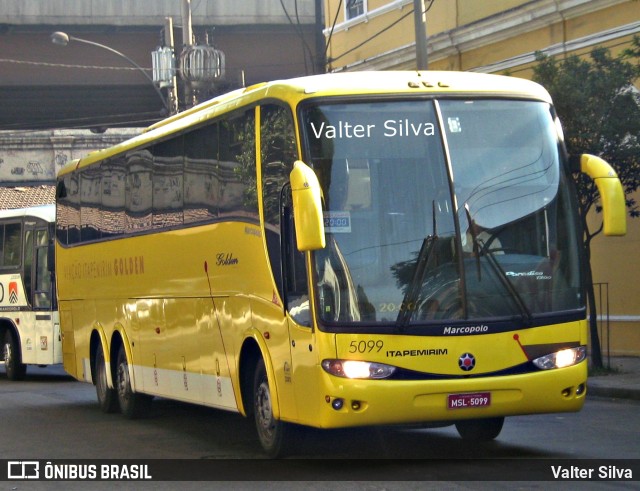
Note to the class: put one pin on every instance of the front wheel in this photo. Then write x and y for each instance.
(480, 430)
(14, 367)
(132, 404)
(275, 435)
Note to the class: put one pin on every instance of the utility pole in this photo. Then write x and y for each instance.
(201, 65)
(187, 28)
(320, 62)
(172, 88)
(187, 43)
(420, 23)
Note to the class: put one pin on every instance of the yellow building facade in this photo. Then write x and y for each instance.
(502, 36)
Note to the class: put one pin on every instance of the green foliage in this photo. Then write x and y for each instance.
(599, 107)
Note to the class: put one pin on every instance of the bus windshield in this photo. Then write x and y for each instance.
(441, 210)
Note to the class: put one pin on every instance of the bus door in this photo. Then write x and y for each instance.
(304, 355)
(39, 289)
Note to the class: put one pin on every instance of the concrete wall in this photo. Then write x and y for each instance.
(152, 12)
(37, 156)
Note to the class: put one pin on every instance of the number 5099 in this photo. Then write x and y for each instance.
(366, 346)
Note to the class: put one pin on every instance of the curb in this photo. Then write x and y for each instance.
(613, 392)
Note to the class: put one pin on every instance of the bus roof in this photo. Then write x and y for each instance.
(330, 85)
(410, 82)
(380, 82)
(45, 212)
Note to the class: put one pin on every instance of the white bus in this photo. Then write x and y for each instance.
(29, 320)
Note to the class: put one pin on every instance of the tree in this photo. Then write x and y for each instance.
(599, 107)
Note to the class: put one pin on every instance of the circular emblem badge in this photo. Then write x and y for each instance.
(466, 362)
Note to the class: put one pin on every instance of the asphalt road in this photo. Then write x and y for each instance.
(50, 417)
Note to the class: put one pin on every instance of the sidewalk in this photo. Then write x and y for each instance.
(622, 383)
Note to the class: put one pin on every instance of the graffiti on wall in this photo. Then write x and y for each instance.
(61, 160)
(39, 156)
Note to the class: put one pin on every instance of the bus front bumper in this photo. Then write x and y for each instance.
(346, 402)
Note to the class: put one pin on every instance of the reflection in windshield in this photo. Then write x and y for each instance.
(389, 192)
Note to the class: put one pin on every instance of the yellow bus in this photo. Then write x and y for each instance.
(333, 251)
(29, 322)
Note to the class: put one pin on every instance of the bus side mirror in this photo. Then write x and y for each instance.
(611, 193)
(307, 207)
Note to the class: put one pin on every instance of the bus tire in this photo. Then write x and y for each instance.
(133, 405)
(480, 430)
(14, 367)
(276, 436)
(107, 398)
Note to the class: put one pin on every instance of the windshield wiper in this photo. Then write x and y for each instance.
(408, 306)
(525, 313)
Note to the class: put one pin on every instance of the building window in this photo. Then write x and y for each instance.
(355, 8)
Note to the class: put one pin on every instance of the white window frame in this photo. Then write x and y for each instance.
(347, 15)
(368, 14)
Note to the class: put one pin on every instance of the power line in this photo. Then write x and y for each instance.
(298, 29)
(333, 26)
(115, 68)
(128, 119)
(372, 37)
(65, 65)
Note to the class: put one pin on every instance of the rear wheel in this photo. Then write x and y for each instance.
(107, 398)
(480, 430)
(276, 436)
(132, 404)
(14, 367)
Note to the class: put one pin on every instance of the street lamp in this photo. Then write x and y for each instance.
(62, 39)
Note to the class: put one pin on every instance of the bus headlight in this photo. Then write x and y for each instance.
(561, 359)
(357, 369)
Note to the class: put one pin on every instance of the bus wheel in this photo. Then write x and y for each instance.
(107, 398)
(275, 435)
(480, 430)
(132, 404)
(11, 354)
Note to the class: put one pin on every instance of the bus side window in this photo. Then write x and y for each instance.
(12, 244)
(277, 155)
(72, 208)
(113, 196)
(202, 181)
(68, 210)
(139, 191)
(42, 293)
(168, 183)
(28, 262)
(237, 155)
(1, 245)
(90, 202)
(294, 266)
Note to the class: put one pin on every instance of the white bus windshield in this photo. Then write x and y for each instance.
(441, 210)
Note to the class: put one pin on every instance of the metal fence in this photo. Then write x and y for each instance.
(601, 291)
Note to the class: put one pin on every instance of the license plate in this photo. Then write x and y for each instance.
(462, 401)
